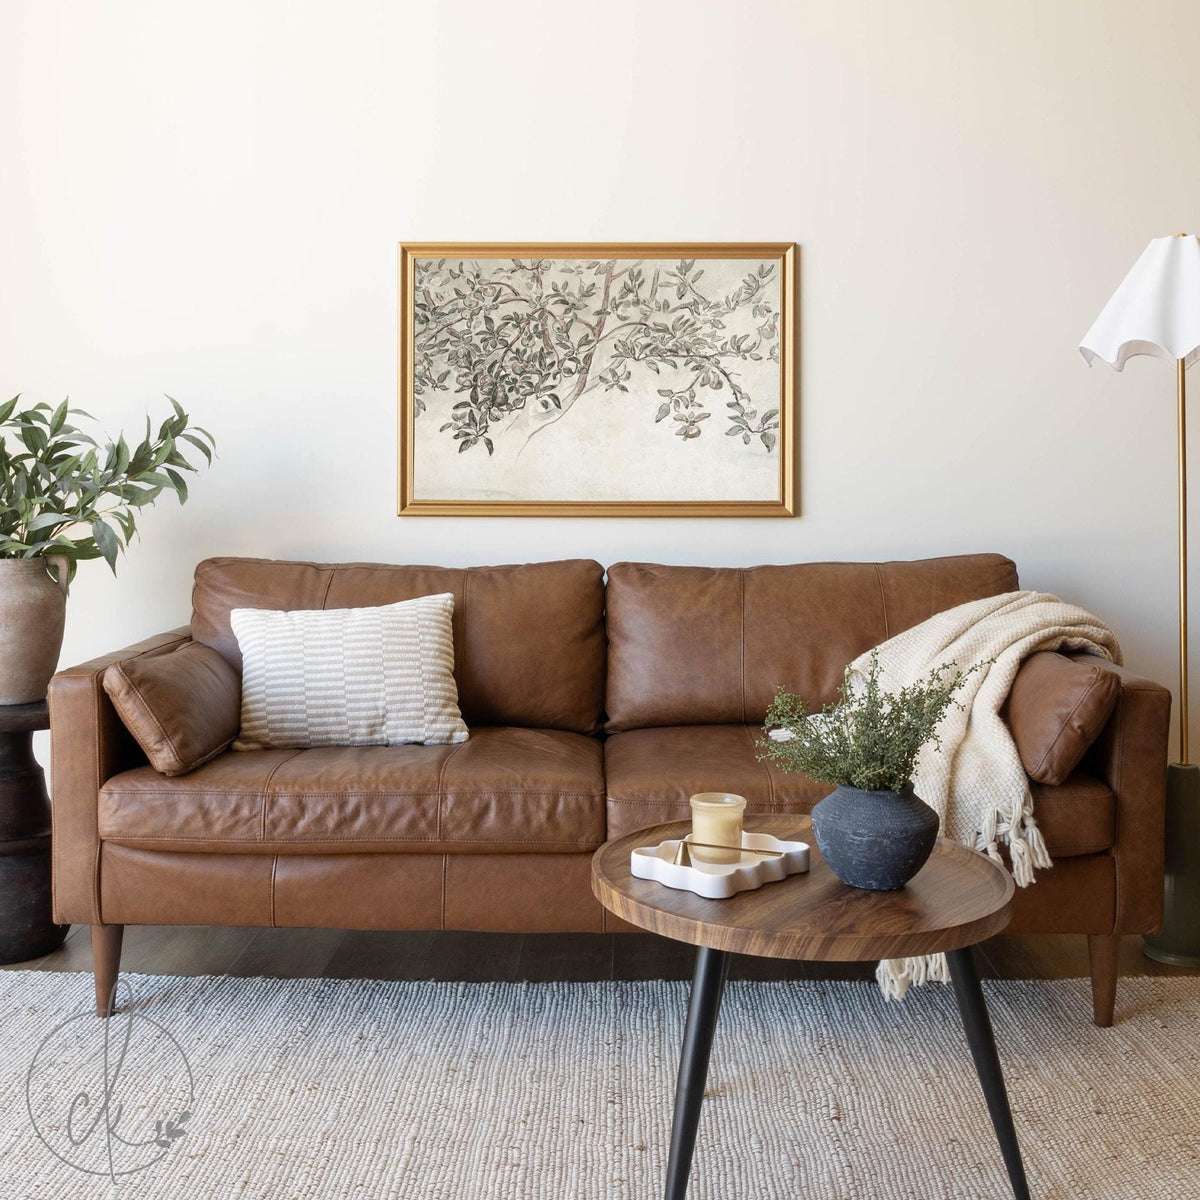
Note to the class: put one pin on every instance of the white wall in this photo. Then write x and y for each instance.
(204, 199)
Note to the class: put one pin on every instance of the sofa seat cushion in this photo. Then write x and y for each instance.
(650, 773)
(1077, 816)
(504, 790)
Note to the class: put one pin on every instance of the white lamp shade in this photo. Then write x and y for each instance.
(1156, 310)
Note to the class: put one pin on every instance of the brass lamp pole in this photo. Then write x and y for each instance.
(1181, 429)
(1156, 311)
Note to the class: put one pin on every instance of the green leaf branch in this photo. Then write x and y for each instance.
(64, 494)
(869, 738)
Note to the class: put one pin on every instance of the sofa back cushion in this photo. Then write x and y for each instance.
(710, 645)
(528, 640)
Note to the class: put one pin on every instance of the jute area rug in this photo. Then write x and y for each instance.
(228, 1087)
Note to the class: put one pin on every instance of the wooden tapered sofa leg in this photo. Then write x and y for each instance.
(106, 965)
(1103, 950)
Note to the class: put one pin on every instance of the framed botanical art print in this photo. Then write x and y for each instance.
(597, 379)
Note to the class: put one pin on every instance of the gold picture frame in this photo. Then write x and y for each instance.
(538, 303)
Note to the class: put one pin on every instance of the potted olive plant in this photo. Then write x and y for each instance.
(65, 498)
(873, 830)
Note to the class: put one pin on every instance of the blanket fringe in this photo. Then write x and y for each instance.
(895, 975)
(1026, 847)
(1026, 852)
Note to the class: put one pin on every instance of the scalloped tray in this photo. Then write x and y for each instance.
(719, 881)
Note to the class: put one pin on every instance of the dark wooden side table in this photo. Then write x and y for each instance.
(27, 930)
(958, 898)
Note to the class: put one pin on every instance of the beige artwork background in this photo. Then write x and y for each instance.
(597, 379)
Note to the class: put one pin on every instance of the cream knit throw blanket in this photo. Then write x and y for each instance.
(975, 781)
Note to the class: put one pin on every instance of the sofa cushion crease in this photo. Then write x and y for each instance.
(522, 788)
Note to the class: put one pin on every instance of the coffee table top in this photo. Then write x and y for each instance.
(957, 899)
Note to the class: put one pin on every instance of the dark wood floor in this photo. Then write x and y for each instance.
(311, 953)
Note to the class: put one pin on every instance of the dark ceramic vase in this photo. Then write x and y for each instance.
(875, 840)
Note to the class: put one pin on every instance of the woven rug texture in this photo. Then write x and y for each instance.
(563, 1091)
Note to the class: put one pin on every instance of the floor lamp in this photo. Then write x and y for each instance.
(1156, 310)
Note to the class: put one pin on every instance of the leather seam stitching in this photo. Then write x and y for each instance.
(328, 585)
(887, 626)
(441, 795)
(265, 795)
(274, 868)
(742, 578)
(765, 769)
(361, 566)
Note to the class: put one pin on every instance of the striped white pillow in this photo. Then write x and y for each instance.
(349, 676)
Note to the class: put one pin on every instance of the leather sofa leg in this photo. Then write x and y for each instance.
(106, 965)
(1103, 949)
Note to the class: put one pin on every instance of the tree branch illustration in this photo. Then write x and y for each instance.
(522, 341)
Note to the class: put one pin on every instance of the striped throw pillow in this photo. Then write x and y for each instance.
(348, 676)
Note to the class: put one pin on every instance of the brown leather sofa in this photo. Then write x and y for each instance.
(595, 708)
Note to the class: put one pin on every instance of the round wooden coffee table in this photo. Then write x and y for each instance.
(957, 899)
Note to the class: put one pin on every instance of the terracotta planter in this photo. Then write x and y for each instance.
(33, 609)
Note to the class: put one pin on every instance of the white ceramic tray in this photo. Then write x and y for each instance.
(719, 881)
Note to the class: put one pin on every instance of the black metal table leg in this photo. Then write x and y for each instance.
(712, 969)
(987, 1063)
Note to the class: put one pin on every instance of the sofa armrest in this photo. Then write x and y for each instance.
(1130, 755)
(88, 745)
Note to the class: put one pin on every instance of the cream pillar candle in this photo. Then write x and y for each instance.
(717, 819)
